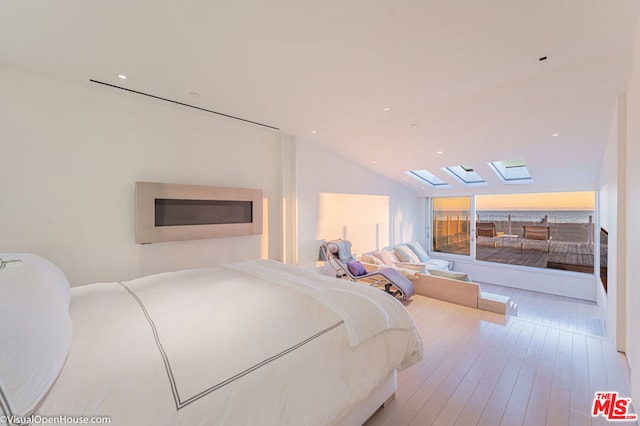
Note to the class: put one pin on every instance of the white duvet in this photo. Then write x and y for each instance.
(251, 343)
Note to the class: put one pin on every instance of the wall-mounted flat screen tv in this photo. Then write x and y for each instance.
(604, 260)
(172, 212)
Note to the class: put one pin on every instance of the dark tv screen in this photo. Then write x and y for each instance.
(604, 242)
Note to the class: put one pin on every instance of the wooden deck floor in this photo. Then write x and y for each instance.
(481, 368)
(577, 257)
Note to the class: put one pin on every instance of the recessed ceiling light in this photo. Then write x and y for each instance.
(194, 94)
(439, 152)
(413, 125)
(386, 109)
(555, 134)
(314, 131)
(122, 76)
(374, 162)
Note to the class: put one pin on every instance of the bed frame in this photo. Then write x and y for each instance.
(380, 397)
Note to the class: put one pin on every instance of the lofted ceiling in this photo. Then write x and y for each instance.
(385, 83)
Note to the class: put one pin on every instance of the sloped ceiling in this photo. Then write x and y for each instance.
(387, 84)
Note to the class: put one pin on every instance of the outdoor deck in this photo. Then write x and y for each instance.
(562, 255)
(570, 256)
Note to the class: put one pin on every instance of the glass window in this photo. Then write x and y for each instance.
(465, 174)
(451, 219)
(545, 230)
(512, 171)
(425, 176)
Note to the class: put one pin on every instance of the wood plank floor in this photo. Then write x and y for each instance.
(535, 254)
(556, 311)
(481, 368)
(563, 254)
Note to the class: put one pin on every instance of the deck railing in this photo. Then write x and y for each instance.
(571, 245)
(450, 230)
(560, 231)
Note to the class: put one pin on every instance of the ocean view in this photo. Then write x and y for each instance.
(535, 216)
(566, 225)
(555, 216)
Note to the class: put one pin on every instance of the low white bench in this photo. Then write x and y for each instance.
(464, 293)
(497, 303)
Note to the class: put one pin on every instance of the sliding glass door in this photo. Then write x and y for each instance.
(451, 225)
(543, 230)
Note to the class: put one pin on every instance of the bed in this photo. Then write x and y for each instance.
(254, 342)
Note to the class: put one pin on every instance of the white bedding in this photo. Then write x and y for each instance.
(239, 344)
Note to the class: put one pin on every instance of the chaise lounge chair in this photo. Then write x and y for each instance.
(436, 278)
(338, 255)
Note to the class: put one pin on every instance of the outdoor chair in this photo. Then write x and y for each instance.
(488, 230)
(536, 232)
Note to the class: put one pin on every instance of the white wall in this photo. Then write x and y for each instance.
(632, 231)
(70, 155)
(320, 171)
(613, 301)
(560, 283)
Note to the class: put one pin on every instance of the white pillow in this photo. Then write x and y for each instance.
(35, 330)
(387, 257)
(405, 254)
(438, 264)
(419, 251)
(370, 258)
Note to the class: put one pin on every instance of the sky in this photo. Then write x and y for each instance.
(545, 201)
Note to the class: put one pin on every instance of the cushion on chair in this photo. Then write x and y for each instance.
(419, 251)
(401, 282)
(356, 268)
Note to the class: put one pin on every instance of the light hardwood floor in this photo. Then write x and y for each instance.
(481, 368)
(556, 311)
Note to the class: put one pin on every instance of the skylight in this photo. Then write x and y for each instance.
(511, 171)
(427, 177)
(465, 174)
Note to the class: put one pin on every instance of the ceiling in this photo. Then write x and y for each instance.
(386, 83)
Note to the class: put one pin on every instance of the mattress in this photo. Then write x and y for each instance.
(255, 342)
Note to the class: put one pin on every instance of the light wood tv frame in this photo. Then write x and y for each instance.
(147, 192)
